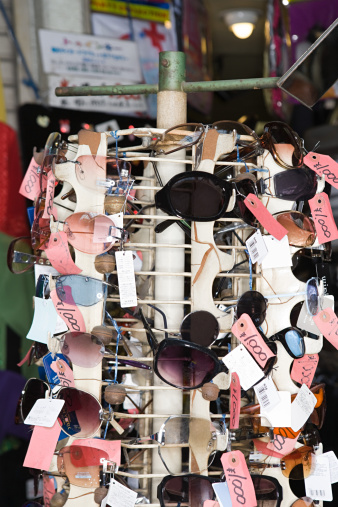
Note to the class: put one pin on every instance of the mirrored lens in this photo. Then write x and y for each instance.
(90, 233)
(295, 341)
(183, 366)
(254, 304)
(200, 327)
(312, 296)
(301, 231)
(187, 490)
(80, 290)
(295, 185)
(83, 349)
(80, 415)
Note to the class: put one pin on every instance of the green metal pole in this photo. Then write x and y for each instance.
(171, 71)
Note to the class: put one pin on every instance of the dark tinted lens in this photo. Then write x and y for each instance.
(254, 304)
(188, 491)
(295, 342)
(312, 296)
(80, 415)
(184, 366)
(303, 267)
(35, 389)
(83, 349)
(244, 188)
(281, 134)
(200, 327)
(198, 197)
(295, 185)
(266, 491)
(79, 290)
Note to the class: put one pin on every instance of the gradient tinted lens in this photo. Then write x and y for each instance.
(35, 389)
(295, 185)
(83, 349)
(312, 296)
(90, 232)
(305, 501)
(80, 415)
(79, 290)
(183, 366)
(19, 256)
(295, 342)
(301, 231)
(188, 491)
(254, 304)
(200, 327)
(281, 135)
(198, 197)
(266, 491)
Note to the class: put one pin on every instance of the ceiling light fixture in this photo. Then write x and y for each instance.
(241, 21)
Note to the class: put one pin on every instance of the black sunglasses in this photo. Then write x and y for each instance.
(292, 339)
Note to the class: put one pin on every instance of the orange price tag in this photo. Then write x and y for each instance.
(323, 165)
(246, 332)
(264, 217)
(241, 488)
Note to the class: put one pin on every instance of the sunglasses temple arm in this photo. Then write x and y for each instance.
(165, 322)
(162, 226)
(152, 340)
(285, 295)
(136, 364)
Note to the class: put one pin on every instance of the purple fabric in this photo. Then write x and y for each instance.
(11, 386)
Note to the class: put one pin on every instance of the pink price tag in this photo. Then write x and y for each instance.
(246, 332)
(303, 369)
(49, 195)
(327, 323)
(48, 489)
(322, 215)
(235, 401)
(323, 165)
(241, 488)
(70, 314)
(64, 373)
(30, 186)
(262, 447)
(282, 445)
(211, 503)
(59, 254)
(264, 217)
(42, 446)
(111, 447)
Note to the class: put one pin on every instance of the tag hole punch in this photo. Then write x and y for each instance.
(319, 201)
(314, 157)
(324, 316)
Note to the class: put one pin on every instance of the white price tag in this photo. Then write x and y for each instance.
(126, 278)
(279, 255)
(302, 407)
(280, 415)
(240, 361)
(44, 320)
(333, 464)
(305, 320)
(119, 496)
(267, 394)
(222, 493)
(256, 247)
(318, 484)
(44, 412)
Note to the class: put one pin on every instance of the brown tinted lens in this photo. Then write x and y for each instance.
(298, 464)
(300, 228)
(303, 502)
(285, 144)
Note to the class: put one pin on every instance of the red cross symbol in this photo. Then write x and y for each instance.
(155, 36)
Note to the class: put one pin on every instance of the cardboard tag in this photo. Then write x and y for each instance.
(126, 278)
(211, 503)
(111, 447)
(279, 416)
(246, 332)
(322, 215)
(318, 484)
(302, 407)
(282, 445)
(50, 190)
(256, 247)
(262, 447)
(30, 186)
(49, 488)
(327, 323)
(222, 493)
(235, 401)
(279, 255)
(303, 370)
(59, 254)
(64, 373)
(333, 464)
(242, 491)
(51, 374)
(42, 446)
(323, 165)
(120, 496)
(44, 412)
(306, 322)
(70, 314)
(267, 394)
(44, 320)
(240, 361)
(264, 217)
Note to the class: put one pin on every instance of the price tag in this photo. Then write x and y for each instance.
(64, 373)
(211, 503)
(246, 332)
(119, 496)
(279, 255)
(303, 369)
(282, 444)
(267, 394)
(323, 165)
(318, 484)
(302, 407)
(30, 186)
(264, 217)
(262, 447)
(279, 416)
(306, 322)
(256, 247)
(44, 320)
(222, 493)
(44, 412)
(41, 447)
(235, 401)
(240, 362)
(327, 323)
(322, 215)
(70, 314)
(49, 195)
(59, 254)
(49, 488)
(126, 278)
(333, 464)
(242, 491)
